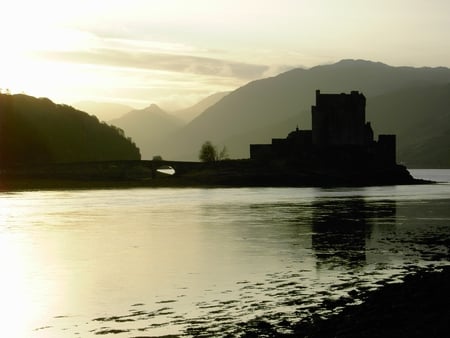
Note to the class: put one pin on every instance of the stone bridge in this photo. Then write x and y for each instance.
(103, 170)
(180, 167)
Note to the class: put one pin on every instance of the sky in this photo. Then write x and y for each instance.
(176, 52)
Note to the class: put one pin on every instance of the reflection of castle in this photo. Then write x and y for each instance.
(341, 226)
(339, 136)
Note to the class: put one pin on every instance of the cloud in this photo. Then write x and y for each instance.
(149, 60)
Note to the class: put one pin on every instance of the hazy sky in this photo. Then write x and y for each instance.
(174, 52)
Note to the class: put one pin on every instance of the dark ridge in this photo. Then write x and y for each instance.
(38, 131)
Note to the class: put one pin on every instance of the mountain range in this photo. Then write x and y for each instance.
(413, 103)
(399, 101)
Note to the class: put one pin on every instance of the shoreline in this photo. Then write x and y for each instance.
(417, 307)
(25, 184)
(220, 174)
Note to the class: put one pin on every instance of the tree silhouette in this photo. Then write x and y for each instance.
(209, 153)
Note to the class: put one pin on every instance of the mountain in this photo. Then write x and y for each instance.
(271, 107)
(147, 127)
(188, 114)
(36, 130)
(103, 110)
(420, 117)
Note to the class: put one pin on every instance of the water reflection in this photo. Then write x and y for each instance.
(342, 226)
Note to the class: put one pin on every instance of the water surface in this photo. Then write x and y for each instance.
(206, 262)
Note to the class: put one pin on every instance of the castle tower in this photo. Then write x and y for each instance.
(339, 119)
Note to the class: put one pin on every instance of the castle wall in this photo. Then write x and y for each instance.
(386, 149)
(261, 151)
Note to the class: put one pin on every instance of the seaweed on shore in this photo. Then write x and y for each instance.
(418, 307)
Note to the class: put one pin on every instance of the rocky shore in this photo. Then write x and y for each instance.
(418, 307)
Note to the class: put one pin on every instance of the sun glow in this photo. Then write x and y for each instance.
(32, 29)
(59, 48)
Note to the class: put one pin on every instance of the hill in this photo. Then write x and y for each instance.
(148, 127)
(105, 111)
(34, 131)
(271, 107)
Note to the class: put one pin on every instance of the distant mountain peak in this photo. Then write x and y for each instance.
(360, 61)
(357, 63)
(103, 110)
(154, 108)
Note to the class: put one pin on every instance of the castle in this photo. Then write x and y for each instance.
(340, 137)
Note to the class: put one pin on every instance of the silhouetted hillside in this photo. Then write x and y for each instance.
(249, 114)
(36, 130)
(188, 114)
(420, 117)
(147, 127)
(105, 111)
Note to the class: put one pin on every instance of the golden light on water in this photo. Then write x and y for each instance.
(16, 314)
(26, 296)
(28, 289)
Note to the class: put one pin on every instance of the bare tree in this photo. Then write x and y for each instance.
(223, 155)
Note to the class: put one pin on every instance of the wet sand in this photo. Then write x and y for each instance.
(419, 307)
